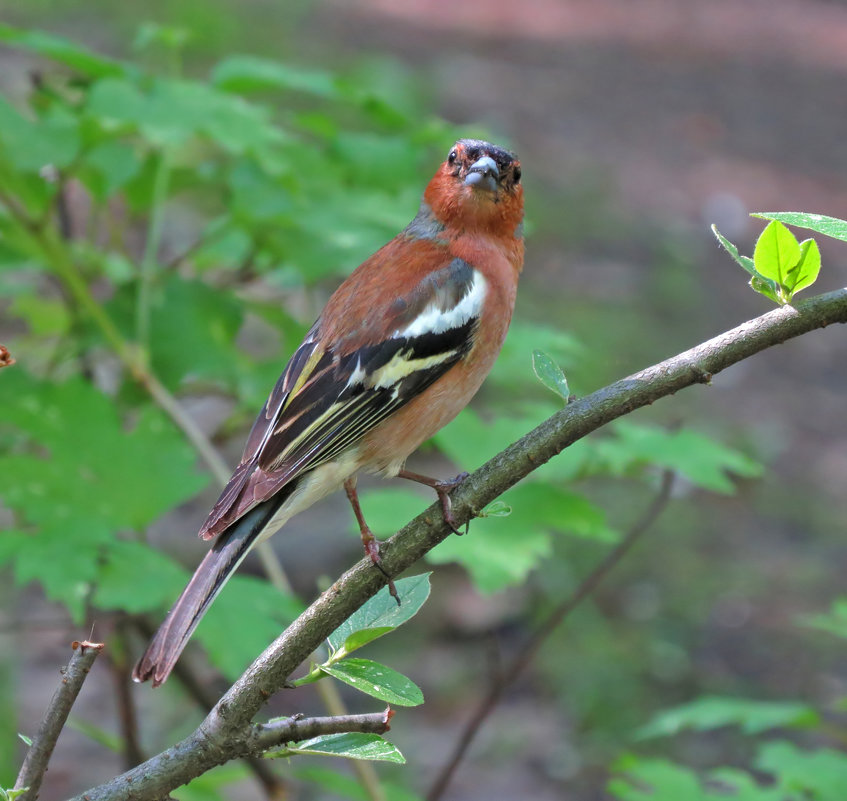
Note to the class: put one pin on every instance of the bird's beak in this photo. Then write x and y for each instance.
(483, 174)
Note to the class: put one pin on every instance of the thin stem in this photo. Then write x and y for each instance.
(517, 667)
(38, 756)
(147, 273)
(121, 675)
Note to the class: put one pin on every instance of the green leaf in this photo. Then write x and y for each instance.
(805, 272)
(713, 712)
(353, 745)
(250, 74)
(524, 339)
(122, 478)
(64, 51)
(151, 34)
(822, 773)
(173, 111)
(33, 144)
(655, 780)
(193, 331)
(496, 558)
(78, 476)
(662, 780)
(45, 316)
(701, 460)
(834, 621)
(828, 226)
(107, 167)
(381, 614)
(245, 618)
(745, 261)
(376, 680)
(62, 557)
(550, 374)
(135, 578)
(764, 286)
(776, 253)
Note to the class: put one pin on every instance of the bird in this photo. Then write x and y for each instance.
(399, 349)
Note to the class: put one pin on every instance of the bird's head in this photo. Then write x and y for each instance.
(478, 187)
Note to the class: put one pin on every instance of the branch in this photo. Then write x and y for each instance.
(513, 672)
(205, 698)
(296, 729)
(35, 762)
(217, 739)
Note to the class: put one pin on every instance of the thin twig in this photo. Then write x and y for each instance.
(220, 737)
(265, 736)
(516, 668)
(122, 677)
(38, 756)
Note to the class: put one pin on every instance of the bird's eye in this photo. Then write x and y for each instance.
(517, 175)
(452, 157)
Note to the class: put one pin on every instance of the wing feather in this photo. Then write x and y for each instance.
(327, 400)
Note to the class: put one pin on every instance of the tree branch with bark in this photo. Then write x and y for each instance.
(229, 732)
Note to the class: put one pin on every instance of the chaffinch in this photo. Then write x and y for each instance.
(400, 348)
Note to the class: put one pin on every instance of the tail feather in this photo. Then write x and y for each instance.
(226, 554)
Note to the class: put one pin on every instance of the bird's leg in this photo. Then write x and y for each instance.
(443, 490)
(369, 541)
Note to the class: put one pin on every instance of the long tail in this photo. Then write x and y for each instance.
(226, 554)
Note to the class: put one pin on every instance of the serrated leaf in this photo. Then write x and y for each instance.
(496, 558)
(550, 374)
(828, 226)
(776, 253)
(376, 680)
(135, 578)
(703, 461)
(79, 476)
(381, 613)
(819, 774)
(713, 712)
(193, 331)
(353, 745)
